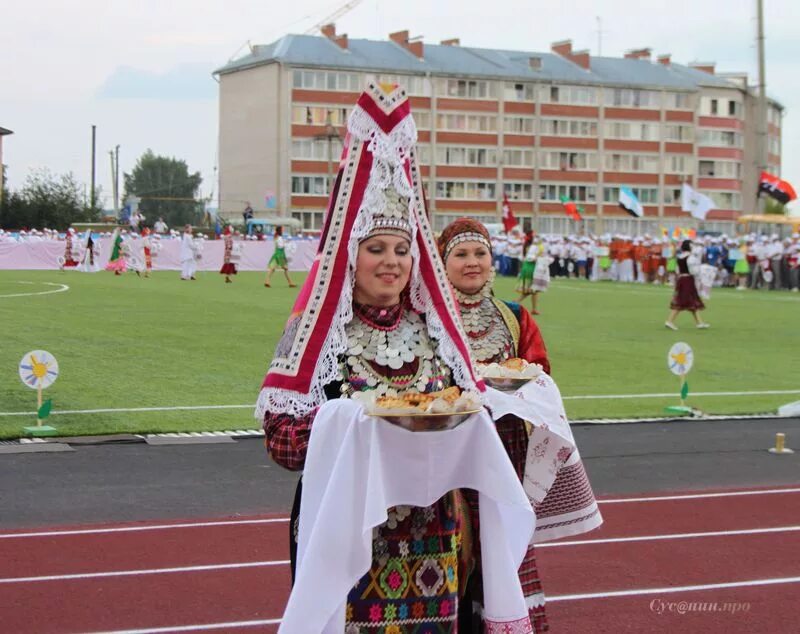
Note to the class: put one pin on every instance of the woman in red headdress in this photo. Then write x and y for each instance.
(375, 317)
(228, 266)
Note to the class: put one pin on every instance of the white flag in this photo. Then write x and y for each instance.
(695, 203)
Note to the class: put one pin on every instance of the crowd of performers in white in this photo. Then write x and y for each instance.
(744, 262)
(751, 261)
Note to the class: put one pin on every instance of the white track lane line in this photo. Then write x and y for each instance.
(551, 599)
(256, 564)
(148, 571)
(196, 628)
(671, 589)
(205, 524)
(655, 538)
(133, 529)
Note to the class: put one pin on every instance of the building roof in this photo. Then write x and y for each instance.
(4, 131)
(390, 57)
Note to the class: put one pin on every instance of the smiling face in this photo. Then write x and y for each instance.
(383, 267)
(468, 266)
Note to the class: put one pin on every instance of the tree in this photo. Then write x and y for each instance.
(774, 207)
(47, 200)
(166, 189)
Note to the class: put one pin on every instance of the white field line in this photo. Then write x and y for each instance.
(565, 597)
(274, 520)
(281, 562)
(143, 527)
(637, 289)
(149, 571)
(63, 287)
(656, 538)
(115, 410)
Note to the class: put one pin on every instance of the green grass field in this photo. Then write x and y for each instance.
(125, 342)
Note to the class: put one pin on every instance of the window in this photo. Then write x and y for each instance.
(672, 196)
(315, 149)
(714, 108)
(646, 195)
(676, 132)
(417, 86)
(726, 200)
(720, 169)
(423, 154)
(631, 163)
(318, 115)
(575, 95)
(310, 185)
(774, 145)
(721, 138)
(579, 193)
(422, 118)
(678, 100)
(467, 190)
(632, 130)
(518, 92)
(312, 220)
(518, 191)
(677, 164)
(569, 127)
(518, 158)
(470, 89)
(569, 160)
(459, 122)
(322, 80)
(628, 97)
(518, 125)
(462, 155)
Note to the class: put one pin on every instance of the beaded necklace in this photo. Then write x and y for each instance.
(489, 337)
(391, 358)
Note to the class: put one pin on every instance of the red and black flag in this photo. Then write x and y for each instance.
(773, 186)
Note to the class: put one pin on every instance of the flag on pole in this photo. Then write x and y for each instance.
(695, 203)
(664, 232)
(773, 186)
(509, 221)
(629, 202)
(571, 208)
(676, 233)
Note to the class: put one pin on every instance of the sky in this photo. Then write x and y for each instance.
(142, 71)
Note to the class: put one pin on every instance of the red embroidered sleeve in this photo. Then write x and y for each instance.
(286, 438)
(531, 343)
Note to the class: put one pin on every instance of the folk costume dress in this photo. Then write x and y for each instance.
(496, 331)
(279, 259)
(117, 262)
(69, 259)
(335, 348)
(228, 266)
(685, 296)
(525, 279)
(89, 260)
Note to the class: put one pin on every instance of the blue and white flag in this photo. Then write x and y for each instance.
(629, 202)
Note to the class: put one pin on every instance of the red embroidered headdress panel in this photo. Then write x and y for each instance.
(378, 168)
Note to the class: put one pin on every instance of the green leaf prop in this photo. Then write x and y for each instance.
(685, 390)
(44, 410)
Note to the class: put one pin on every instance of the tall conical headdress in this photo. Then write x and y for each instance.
(378, 189)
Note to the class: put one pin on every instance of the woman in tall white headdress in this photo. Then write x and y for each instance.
(376, 315)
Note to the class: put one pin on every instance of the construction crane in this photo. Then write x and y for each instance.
(334, 16)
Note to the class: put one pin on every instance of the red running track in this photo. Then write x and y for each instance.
(235, 572)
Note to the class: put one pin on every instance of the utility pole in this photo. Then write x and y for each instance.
(599, 36)
(763, 129)
(331, 133)
(94, 147)
(116, 180)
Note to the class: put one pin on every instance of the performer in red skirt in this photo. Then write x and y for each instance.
(69, 260)
(228, 267)
(685, 296)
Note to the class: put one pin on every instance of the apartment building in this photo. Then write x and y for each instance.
(534, 126)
